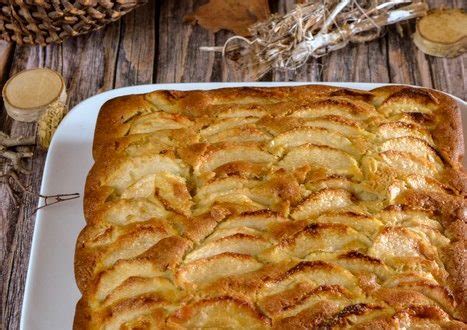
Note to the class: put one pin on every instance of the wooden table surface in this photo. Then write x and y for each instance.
(152, 44)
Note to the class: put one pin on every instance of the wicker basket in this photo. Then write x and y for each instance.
(52, 21)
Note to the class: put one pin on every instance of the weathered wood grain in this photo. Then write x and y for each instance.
(223, 70)
(450, 75)
(18, 229)
(154, 44)
(136, 52)
(6, 52)
(357, 62)
(88, 63)
(179, 58)
(88, 66)
(404, 66)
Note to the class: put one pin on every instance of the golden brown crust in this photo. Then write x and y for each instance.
(448, 136)
(113, 116)
(82, 315)
(447, 133)
(287, 207)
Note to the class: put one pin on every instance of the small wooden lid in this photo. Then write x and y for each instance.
(29, 92)
(445, 26)
(442, 33)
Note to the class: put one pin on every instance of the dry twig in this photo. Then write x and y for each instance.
(12, 149)
(55, 199)
(314, 29)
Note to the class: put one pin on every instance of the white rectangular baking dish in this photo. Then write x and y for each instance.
(51, 293)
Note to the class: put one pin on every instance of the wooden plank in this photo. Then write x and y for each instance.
(6, 56)
(6, 226)
(179, 58)
(225, 70)
(88, 63)
(18, 235)
(406, 64)
(450, 75)
(310, 72)
(137, 47)
(88, 66)
(358, 62)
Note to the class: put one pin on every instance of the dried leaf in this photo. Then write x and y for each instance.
(233, 15)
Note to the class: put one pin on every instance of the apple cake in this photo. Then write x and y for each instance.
(291, 207)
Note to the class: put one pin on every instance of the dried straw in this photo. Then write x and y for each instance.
(313, 30)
